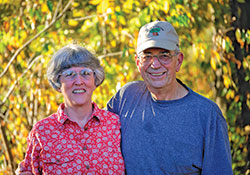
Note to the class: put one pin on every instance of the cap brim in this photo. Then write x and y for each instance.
(159, 44)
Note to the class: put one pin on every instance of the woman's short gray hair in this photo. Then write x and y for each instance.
(73, 56)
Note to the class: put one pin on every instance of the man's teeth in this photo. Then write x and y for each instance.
(79, 91)
(157, 74)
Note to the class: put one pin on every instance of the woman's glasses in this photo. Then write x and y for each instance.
(71, 74)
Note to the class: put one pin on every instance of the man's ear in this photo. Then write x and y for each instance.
(179, 61)
(58, 90)
(137, 62)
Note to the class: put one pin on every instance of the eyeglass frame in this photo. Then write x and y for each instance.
(71, 78)
(170, 56)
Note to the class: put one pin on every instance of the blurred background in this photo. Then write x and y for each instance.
(214, 37)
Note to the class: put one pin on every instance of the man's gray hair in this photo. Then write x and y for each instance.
(73, 56)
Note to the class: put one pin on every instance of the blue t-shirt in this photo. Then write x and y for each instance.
(184, 136)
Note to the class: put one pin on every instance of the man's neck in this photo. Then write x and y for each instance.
(174, 92)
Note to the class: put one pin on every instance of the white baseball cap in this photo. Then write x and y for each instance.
(160, 34)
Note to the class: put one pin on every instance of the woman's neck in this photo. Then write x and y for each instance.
(80, 114)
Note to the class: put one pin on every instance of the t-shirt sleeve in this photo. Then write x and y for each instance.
(113, 104)
(217, 154)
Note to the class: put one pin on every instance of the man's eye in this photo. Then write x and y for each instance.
(147, 56)
(85, 72)
(164, 56)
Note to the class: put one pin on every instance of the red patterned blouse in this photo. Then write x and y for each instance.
(57, 145)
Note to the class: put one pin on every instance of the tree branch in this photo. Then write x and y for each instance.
(18, 79)
(35, 37)
(110, 54)
(88, 17)
(6, 146)
(57, 9)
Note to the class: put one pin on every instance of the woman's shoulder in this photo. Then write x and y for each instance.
(46, 122)
(103, 113)
(108, 114)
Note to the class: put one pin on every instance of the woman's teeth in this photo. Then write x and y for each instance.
(79, 91)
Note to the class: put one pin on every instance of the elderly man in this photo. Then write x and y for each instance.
(167, 128)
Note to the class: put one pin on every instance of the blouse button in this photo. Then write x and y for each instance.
(84, 148)
(87, 167)
(86, 128)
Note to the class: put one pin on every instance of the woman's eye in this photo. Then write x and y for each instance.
(68, 74)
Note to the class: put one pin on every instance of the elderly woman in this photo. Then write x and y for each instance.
(79, 138)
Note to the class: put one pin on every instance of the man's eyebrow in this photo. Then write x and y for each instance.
(165, 51)
(160, 52)
(147, 52)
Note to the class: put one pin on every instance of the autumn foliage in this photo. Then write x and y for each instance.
(214, 43)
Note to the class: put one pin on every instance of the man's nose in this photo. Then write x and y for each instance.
(155, 62)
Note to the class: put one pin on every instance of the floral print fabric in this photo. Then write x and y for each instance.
(57, 145)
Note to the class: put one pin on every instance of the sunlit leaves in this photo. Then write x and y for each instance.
(226, 81)
(102, 5)
(166, 7)
(213, 63)
(110, 29)
(73, 23)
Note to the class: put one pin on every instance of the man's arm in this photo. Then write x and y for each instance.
(217, 154)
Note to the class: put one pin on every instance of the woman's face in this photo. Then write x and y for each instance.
(77, 86)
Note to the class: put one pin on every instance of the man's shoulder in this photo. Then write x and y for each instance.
(134, 86)
(205, 103)
(202, 99)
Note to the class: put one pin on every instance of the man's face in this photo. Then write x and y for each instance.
(159, 72)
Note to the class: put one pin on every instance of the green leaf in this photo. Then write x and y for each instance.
(50, 5)
(38, 14)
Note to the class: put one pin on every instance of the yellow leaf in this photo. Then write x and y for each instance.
(213, 63)
(166, 7)
(45, 8)
(246, 63)
(75, 4)
(238, 35)
(247, 128)
(77, 13)
(18, 121)
(232, 94)
(122, 20)
(237, 97)
(113, 43)
(73, 22)
(226, 81)
(225, 70)
(94, 2)
(118, 8)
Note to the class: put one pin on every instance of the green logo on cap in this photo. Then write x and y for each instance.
(155, 31)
